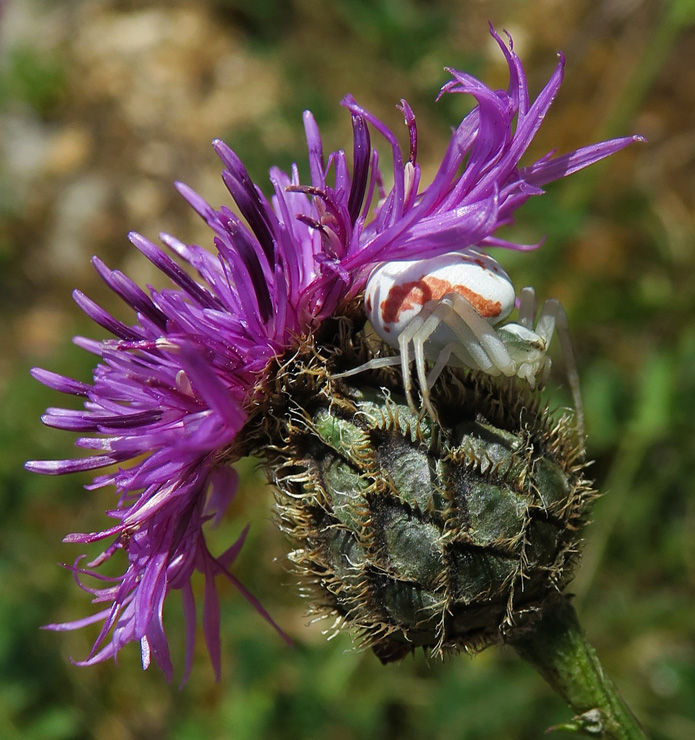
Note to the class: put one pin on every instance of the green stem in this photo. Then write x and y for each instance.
(556, 647)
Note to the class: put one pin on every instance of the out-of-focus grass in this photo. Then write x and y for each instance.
(619, 253)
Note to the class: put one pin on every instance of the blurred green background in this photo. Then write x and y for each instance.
(103, 104)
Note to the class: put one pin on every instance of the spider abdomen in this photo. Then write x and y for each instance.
(397, 291)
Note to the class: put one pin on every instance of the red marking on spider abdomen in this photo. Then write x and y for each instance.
(416, 293)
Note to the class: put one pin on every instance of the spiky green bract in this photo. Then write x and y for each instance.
(446, 534)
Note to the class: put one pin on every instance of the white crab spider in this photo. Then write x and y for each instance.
(446, 310)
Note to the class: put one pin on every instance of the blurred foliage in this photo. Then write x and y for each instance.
(32, 78)
(103, 105)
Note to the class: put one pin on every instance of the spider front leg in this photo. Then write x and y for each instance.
(553, 319)
(451, 326)
(404, 339)
(528, 306)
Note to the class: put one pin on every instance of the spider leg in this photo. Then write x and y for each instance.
(553, 318)
(477, 344)
(439, 312)
(526, 372)
(459, 352)
(489, 341)
(404, 340)
(374, 364)
(440, 364)
(528, 306)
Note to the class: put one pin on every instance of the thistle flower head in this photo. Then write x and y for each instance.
(176, 394)
(449, 532)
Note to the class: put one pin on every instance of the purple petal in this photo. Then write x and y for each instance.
(544, 172)
(60, 382)
(103, 318)
(190, 617)
(209, 386)
(172, 270)
(224, 482)
(211, 620)
(62, 467)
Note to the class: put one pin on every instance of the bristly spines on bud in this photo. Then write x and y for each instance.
(447, 535)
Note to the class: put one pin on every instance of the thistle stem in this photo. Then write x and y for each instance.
(557, 648)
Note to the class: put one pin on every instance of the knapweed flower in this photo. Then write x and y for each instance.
(180, 394)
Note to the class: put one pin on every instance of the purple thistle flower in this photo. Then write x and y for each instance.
(173, 392)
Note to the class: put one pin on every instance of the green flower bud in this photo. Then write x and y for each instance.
(446, 534)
